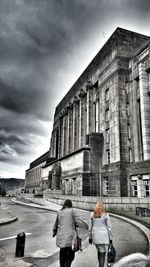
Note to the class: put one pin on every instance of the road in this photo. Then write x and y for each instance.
(127, 238)
(36, 221)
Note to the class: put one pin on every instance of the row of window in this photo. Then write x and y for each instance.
(108, 156)
(141, 189)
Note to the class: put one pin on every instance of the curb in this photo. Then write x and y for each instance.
(9, 221)
(138, 225)
(51, 258)
(33, 206)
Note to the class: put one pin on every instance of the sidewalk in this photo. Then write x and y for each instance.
(87, 257)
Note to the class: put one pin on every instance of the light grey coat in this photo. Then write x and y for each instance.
(100, 229)
(64, 228)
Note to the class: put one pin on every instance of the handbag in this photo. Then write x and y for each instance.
(111, 253)
(77, 244)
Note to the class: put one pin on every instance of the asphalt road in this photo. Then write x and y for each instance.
(127, 238)
(36, 221)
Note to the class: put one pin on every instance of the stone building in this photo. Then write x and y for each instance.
(33, 177)
(100, 143)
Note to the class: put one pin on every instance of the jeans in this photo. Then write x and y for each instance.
(66, 257)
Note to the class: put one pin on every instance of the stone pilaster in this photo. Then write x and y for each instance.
(75, 124)
(65, 131)
(63, 135)
(70, 128)
(90, 114)
(60, 135)
(82, 118)
(135, 122)
(145, 110)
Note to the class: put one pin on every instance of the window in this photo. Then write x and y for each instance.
(107, 95)
(107, 156)
(96, 116)
(146, 188)
(129, 131)
(66, 186)
(105, 186)
(107, 135)
(107, 115)
(74, 186)
(127, 87)
(128, 110)
(134, 188)
(130, 155)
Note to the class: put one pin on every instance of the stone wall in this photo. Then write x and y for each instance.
(88, 203)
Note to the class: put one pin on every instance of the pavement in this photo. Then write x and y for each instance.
(87, 257)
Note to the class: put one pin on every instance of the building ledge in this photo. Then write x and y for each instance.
(67, 156)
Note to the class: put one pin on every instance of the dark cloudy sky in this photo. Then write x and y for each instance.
(44, 47)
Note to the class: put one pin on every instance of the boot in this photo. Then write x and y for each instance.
(101, 258)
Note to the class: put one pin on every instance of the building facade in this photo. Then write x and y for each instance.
(33, 178)
(100, 143)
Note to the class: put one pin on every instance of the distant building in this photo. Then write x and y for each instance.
(100, 143)
(11, 184)
(33, 177)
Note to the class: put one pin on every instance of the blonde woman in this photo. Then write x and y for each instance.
(100, 232)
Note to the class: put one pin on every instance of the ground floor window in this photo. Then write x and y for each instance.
(146, 188)
(74, 186)
(70, 186)
(134, 188)
(105, 186)
(140, 185)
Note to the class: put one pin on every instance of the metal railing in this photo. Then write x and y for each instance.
(140, 211)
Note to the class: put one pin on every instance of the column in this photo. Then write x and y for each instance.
(63, 134)
(76, 123)
(136, 124)
(73, 126)
(82, 118)
(80, 122)
(68, 132)
(65, 131)
(135, 121)
(90, 110)
(145, 110)
(70, 128)
(60, 135)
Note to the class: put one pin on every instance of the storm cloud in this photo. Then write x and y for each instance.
(44, 47)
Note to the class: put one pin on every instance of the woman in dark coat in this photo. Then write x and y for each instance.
(67, 222)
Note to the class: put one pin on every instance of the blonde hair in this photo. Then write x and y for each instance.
(99, 209)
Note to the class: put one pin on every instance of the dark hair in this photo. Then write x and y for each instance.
(67, 204)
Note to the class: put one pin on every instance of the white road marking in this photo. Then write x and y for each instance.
(11, 237)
